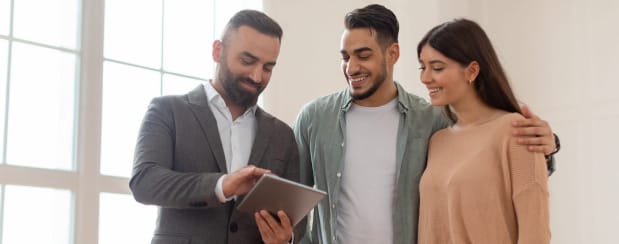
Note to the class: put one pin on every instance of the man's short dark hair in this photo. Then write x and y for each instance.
(379, 19)
(254, 19)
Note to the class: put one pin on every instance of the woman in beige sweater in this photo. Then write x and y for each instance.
(480, 185)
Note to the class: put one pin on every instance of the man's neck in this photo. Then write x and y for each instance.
(385, 94)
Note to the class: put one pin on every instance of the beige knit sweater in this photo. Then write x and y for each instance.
(480, 186)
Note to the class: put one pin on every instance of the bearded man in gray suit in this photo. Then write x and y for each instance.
(197, 154)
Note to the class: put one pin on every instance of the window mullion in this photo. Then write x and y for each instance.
(7, 91)
(38, 177)
(89, 122)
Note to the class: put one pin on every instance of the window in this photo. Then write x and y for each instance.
(171, 55)
(116, 228)
(76, 77)
(50, 207)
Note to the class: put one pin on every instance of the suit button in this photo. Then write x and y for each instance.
(234, 227)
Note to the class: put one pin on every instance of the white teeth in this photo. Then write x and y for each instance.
(434, 90)
(357, 79)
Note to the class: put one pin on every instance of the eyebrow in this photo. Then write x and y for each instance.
(250, 55)
(357, 51)
(436, 62)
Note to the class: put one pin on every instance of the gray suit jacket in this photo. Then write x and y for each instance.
(178, 159)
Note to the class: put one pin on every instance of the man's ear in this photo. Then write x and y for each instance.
(217, 50)
(393, 52)
(472, 70)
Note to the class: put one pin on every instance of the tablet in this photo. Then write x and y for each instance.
(273, 193)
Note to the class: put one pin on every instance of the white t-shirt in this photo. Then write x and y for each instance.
(369, 175)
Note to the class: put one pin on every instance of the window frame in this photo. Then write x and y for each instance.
(85, 181)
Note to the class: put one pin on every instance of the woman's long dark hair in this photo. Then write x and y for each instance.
(465, 41)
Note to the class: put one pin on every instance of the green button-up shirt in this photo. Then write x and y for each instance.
(320, 131)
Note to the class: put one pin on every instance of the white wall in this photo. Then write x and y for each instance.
(561, 57)
(561, 61)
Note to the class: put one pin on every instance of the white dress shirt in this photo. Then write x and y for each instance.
(237, 136)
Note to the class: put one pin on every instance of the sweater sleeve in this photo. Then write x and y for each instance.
(530, 193)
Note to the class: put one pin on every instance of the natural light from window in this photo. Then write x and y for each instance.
(50, 91)
(115, 228)
(36, 215)
(53, 22)
(76, 78)
(5, 17)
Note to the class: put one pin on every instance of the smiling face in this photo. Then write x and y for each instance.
(245, 63)
(364, 63)
(447, 80)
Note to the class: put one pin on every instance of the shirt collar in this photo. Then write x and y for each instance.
(402, 104)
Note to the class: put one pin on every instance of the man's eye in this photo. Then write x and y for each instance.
(364, 55)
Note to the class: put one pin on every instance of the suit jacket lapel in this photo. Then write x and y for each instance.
(263, 136)
(199, 106)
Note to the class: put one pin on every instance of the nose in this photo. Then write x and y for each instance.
(256, 74)
(425, 76)
(351, 66)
